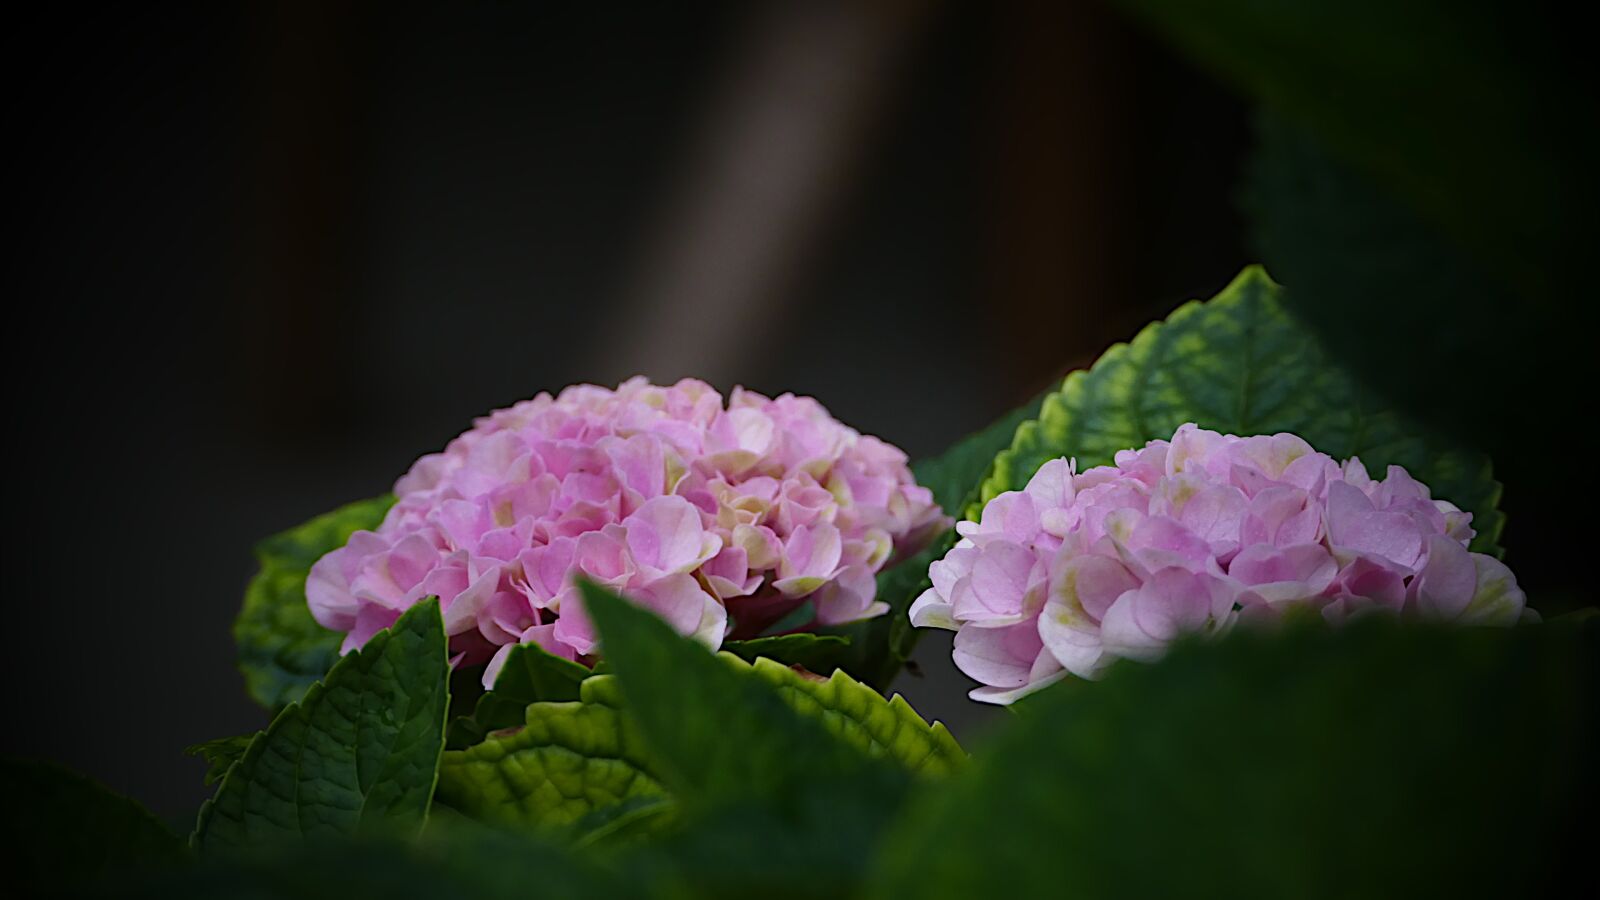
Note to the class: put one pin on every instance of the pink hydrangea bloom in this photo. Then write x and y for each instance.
(722, 519)
(1190, 536)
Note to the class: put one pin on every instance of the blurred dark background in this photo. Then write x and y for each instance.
(266, 255)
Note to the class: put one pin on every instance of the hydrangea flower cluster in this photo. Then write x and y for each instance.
(1191, 536)
(720, 519)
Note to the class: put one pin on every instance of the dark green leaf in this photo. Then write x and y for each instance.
(1379, 760)
(462, 860)
(1476, 125)
(530, 675)
(1238, 364)
(282, 650)
(1424, 187)
(1418, 318)
(220, 754)
(773, 804)
(820, 653)
(62, 829)
(816, 844)
(716, 732)
(358, 754)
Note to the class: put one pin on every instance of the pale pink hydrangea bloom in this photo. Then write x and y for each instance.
(723, 520)
(1191, 536)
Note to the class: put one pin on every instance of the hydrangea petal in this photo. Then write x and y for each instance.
(1198, 534)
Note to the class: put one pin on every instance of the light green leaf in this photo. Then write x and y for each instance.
(860, 716)
(282, 650)
(220, 754)
(576, 768)
(531, 674)
(567, 763)
(1240, 365)
(1373, 761)
(62, 829)
(358, 754)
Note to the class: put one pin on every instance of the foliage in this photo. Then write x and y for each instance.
(221, 753)
(61, 829)
(1420, 182)
(1423, 184)
(282, 650)
(1379, 761)
(1238, 364)
(358, 754)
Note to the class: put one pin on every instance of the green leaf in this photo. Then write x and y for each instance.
(1237, 364)
(282, 649)
(220, 754)
(1377, 760)
(461, 860)
(1427, 203)
(531, 674)
(581, 769)
(772, 803)
(861, 717)
(1476, 126)
(714, 731)
(1353, 255)
(820, 653)
(358, 754)
(63, 829)
(566, 768)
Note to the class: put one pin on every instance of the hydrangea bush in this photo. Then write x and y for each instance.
(724, 519)
(1193, 535)
(653, 521)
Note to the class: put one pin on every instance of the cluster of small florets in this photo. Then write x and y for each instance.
(724, 520)
(1191, 536)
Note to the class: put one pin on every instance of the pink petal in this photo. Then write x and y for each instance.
(998, 657)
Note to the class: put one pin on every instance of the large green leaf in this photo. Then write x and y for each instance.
(358, 754)
(714, 724)
(282, 650)
(1238, 364)
(62, 829)
(1420, 319)
(1477, 125)
(530, 675)
(568, 761)
(1423, 186)
(461, 860)
(1375, 761)
(861, 716)
(574, 765)
(773, 804)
